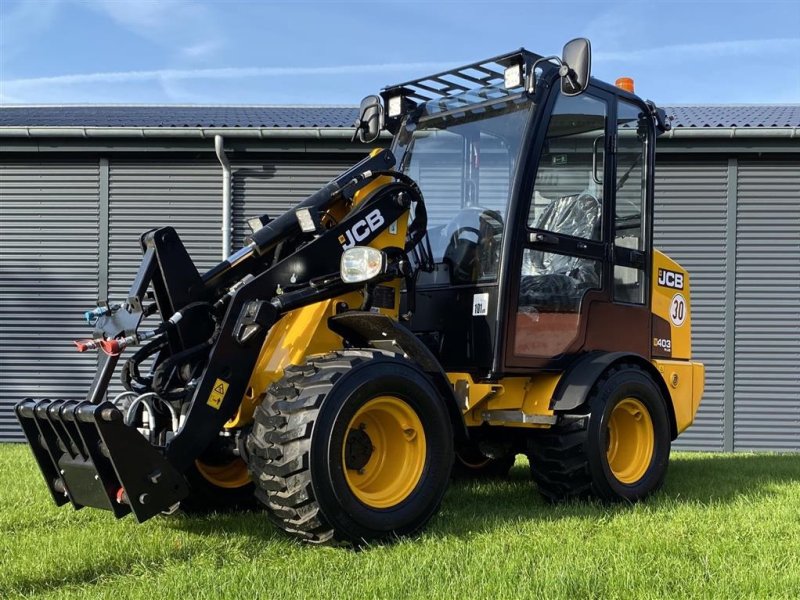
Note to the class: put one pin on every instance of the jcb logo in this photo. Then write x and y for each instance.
(670, 279)
(362, 228)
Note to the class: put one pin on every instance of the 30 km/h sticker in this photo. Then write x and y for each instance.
(217, 394)
(677, 310)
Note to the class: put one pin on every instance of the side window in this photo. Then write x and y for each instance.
(568, 192)
(631, 189)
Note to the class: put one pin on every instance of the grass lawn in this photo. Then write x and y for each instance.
(724, 526)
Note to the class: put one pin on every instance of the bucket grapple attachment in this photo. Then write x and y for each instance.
(73, 443)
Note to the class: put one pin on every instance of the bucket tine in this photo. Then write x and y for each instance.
(42, 440)
(50, 413)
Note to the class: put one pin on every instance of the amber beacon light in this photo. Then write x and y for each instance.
(625, 83)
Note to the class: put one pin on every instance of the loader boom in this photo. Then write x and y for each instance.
(214, 325)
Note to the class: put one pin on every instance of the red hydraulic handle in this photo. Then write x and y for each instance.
(111, 347)
(84, 345)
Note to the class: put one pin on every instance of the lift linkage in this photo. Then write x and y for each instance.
(88, 451)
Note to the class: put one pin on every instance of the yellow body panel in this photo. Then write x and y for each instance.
(529, 395)
(304, 332)
(685, 381)
(669, 293)
(672, 338)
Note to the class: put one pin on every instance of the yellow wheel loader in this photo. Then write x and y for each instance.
(486, 287)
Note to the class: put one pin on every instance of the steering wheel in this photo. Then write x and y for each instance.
(466, 251)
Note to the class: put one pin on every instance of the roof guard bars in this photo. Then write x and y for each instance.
(484, 73)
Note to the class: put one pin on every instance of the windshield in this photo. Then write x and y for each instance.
(464, 160)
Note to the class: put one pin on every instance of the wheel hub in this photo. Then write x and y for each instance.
(384, 452)
(357, 449)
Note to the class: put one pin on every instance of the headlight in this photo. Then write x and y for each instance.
(362, 263)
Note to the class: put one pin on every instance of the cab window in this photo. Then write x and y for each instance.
(630, 197)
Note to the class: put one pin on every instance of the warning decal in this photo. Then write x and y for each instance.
(217, 394)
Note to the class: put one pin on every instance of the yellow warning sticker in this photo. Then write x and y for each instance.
(217, 394)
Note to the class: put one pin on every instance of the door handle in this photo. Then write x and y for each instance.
(543, 237)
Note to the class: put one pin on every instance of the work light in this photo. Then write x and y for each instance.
(395, 106)
(305, 220)
(512, 77)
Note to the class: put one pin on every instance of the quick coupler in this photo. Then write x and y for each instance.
(89, 457)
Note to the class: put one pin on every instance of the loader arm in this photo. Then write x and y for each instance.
(205, 349)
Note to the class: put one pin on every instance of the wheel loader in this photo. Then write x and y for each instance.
(483, 288)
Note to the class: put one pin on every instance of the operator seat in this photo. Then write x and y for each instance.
(557, 282)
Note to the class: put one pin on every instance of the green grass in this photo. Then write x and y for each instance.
(724, 526)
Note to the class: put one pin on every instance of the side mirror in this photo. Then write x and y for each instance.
(576, 66)
(370, 120)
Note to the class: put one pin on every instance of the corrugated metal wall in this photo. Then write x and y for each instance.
(767, 363)
(49, 219)
(48, 277)
(690, 226)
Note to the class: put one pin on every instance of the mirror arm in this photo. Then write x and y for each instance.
(530, 83)
(568, 74)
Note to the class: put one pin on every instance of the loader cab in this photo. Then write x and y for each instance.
(539, 201)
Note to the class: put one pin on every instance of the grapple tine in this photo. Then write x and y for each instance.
(43, 442)
(49, 412)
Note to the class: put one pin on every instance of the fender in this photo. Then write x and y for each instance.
(578, 379)
(367, 329)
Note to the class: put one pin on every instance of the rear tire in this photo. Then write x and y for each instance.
(616, 447)
(353, 446)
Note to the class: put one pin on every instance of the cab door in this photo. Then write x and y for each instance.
(584, 252)
(562, 261)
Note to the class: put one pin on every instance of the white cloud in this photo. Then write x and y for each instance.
(201, 50)
(187, 30)
(704, 50)
(208, 74)
(151, 18)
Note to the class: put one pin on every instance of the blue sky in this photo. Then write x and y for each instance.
(187, 52)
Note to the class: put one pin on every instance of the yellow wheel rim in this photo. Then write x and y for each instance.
(630, 440)
(229, 475)
(384, 452)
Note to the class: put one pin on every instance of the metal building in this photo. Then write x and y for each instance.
(79, 184)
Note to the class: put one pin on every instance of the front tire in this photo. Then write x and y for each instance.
(618, 450)
(353, 446)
